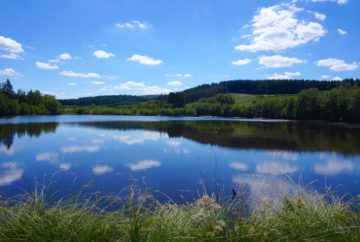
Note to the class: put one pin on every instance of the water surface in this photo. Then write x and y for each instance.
(177, 156)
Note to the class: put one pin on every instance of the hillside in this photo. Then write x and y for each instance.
(108, 100)
(260, 87)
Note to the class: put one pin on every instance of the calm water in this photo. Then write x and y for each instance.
(177, 156)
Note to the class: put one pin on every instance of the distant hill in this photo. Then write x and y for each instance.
(109, 100)
(263, 87)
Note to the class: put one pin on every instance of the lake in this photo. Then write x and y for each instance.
(177, 158)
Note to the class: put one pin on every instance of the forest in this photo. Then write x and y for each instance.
(336, 101)
(26, 103)
(341, 104)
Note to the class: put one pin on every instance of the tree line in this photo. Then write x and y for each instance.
(262, 87)
(26, 103)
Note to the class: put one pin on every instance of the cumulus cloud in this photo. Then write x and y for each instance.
(278, 61)
(340, 2)
(337, 64)
(65, 56)
(78, 74)
(277, 28)
(341, 31)
(46, 66)
(72, 84)
(141, 87)
(8, 72)
(180, 75)
(241, 62)
(337, 78)
(174, 83)
(10, 172)
(9, 48)
(97, 82)
(101, 54)
(285, 76)
(134, 24)
(145, 60)
(319, 16)
(144, 165)
(276, 168)
(101, 169)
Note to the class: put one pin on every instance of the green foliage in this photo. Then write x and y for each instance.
(21, 103)
(142, 218)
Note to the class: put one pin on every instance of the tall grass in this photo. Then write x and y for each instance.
(143, 218)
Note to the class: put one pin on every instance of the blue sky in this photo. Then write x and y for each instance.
(101, 47)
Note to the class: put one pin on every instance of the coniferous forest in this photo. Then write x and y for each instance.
(26, 103)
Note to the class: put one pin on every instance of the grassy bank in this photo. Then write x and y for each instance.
(144, 219)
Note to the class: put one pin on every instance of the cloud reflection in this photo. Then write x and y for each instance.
(9, 172)
(138, 137)
(84, 148)
(239, 166)
(334, 167)
(7, 151)
(173, 143)
(144, 165)
(101, 169)
(276, 168)
(48, 156)
(64, 166)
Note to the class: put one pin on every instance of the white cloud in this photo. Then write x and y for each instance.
(9, 48)
(78, 74)
(72, 84)
(49, 156)
(278, 61)
(9, 172)
(174, 83)
(144, 165)
(239, 166)
(277, 28)
(46, 66)
(285, 76)
(141, 87)
(101, 54)
(97, 82)
(75, 149)
(101, 169)
(276, 168)
(325, 77)
(65, 56)
(334, 167)
(145, 60)
(135, 24)
(337, 78)
(8, 72)
(337, 65)
(320, 16)
(180, 75)
(241, 62)
(340, 2)
(341, 31)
